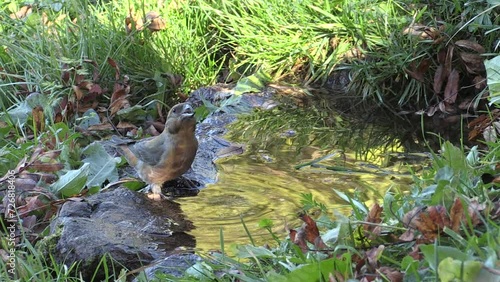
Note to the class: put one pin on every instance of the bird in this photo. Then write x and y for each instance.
(166, 156)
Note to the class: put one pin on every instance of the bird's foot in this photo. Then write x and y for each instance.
(157, 195)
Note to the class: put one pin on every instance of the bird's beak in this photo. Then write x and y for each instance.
(187, 111)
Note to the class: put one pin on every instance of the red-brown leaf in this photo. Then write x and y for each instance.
(473, 62)
(451, 90)
(470, 45)
(438, 79)
(456, 214)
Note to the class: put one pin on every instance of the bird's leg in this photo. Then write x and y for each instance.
(156, 195)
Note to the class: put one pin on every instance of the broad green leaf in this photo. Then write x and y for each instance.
(435, 254)
(493, 78)
(252, 83)
(72, 182)
(360, 206)
(201, 271)
(89, 118)
(102, 165)
(450, 269)
(249, 251)
(134, 113)
(134, 185)
(316, 271)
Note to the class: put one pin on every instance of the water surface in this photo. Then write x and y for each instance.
(264, 183)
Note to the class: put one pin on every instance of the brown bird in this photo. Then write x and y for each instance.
(166, 156)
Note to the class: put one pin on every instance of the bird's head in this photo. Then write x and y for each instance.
(181, 116)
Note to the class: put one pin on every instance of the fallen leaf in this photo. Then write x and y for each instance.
(46, 167)
(408, 236)
(470, 45)
(101, 127)
(298, 238)
(438, 79)
(22, 13)
(373, 255)
(78, 92)
(391, 274)
(125, 125)
(38, 118)
(156, 23)
(312, 232)
(373, 216)
(448, 61)
(479, 82)
(473, 62)
(456, 214)
(451, 89)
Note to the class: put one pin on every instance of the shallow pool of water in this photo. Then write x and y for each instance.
(263, 183)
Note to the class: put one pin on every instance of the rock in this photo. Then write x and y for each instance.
(174, 265)
(134, 230)
(126, 225)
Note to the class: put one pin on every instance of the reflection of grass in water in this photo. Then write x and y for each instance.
(313, 126)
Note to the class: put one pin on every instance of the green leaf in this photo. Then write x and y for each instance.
(72, 182)
(134, 113)
(354, 203)
(455, 270)
(89, 118)
(266, 223)
(102, 165)
(249, 251)
(201, 271)
(316, 271)
(493, 78)
(435, 254)
(252, 83)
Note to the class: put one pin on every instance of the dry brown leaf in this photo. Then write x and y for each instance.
(38, 118)
(312, 232)
(408, 236)
(373, 254)
(451, 89)
(22, 13)
(133, 22)
(390, 273)
(125, 125)
(470, 45)
(448, 61)
(96, 88)
(156, 23)
(46, 167)
(78, 92)
(113, 64)
(298, 238)
(456, 214)
(438, 79)
(118, 101)
(474, 211)
(439, 217)
(101, 127)
(466, 104)
(371, 231)
(473, 62)
(479, 82)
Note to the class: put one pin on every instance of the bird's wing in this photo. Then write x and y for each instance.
(150, 151)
